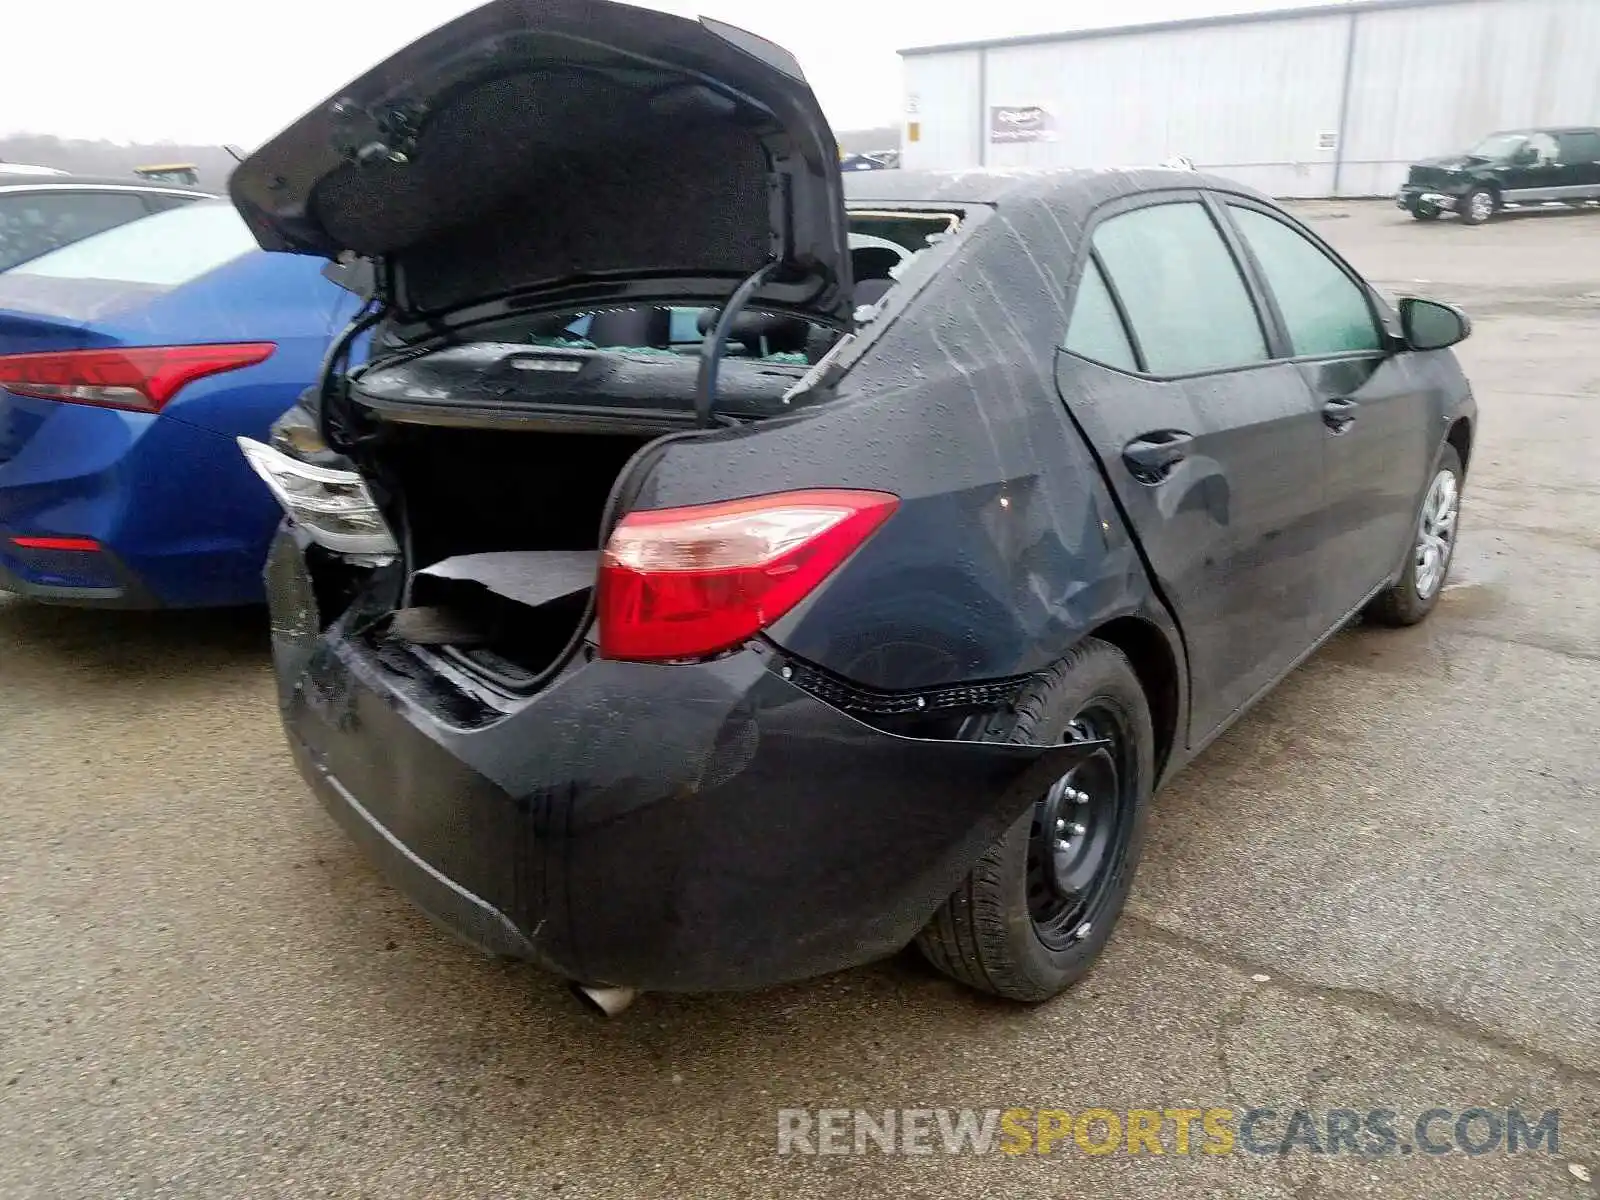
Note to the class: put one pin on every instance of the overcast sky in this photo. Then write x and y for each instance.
(212, 71)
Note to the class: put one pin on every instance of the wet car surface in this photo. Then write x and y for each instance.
(208, 990)
(669, 695)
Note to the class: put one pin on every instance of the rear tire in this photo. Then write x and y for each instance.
(1477, 206)
(1420, 585)
(1021, 926)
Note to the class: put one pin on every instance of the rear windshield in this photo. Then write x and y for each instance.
(888, 245)
(165, 250)
(884, 243)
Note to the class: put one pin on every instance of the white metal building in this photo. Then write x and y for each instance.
(1327, 101)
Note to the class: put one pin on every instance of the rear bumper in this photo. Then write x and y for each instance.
(119, 589)
(182, 520)
(691, 828)
(471, 917)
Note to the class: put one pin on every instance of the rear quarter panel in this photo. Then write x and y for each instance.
(1007, 548)
(170, 493)
(260, 297)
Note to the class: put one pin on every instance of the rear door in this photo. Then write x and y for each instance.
(1536, 173)
(1580, 153)
(1213, 449)
(1378, 436)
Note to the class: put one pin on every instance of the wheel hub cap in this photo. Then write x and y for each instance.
(1436, 533)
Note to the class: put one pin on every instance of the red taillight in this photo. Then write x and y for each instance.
(137, 378)
(87, 545)
(682, 583)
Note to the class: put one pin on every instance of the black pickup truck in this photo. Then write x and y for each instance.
(1507, 170)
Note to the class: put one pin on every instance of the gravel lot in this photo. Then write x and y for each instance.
(1379, 890)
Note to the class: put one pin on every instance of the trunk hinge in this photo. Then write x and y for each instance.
(384, 134)
(705, 393)
(332, 419)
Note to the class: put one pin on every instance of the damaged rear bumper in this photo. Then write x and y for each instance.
(689, 827)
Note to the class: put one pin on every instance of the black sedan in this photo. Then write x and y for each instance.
(718, 581)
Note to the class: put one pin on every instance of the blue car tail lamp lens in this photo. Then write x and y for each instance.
(686, 583)
(130, 378)
(83, 545)
(333, 506)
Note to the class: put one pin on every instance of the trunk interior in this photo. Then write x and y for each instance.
(502, 455)
(501, 532)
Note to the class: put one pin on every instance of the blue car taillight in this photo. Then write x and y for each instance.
(132, 378)
(69, 562)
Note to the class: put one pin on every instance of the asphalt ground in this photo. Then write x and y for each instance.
(1377, 892)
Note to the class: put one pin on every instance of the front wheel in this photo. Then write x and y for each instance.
(1039, 906)
(1425, 212)
(1477, 206)
(1415, 593)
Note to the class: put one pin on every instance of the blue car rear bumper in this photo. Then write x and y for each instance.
(179, 518)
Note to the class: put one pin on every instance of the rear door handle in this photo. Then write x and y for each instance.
(1339, 414)
(1151, 456)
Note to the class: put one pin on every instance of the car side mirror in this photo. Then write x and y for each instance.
(1431, 325)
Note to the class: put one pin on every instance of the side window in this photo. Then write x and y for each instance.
(34, 223)
(1579, 148)
(1096, 331)
(160, 202)
(1543, 147)
(1181, 289)
(685, 328)
(1325, 310)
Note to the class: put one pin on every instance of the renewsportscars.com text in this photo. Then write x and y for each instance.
(1368, 1133)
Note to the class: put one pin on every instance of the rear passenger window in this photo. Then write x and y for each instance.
(1580, 148)
(1096, 330)
(161, 201)
(34, 223)
(1325, 310)
(686, 327)
(1181, 289)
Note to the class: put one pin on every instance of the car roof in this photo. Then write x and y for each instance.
(1077, 188)
(1548, 129)
(14, 181)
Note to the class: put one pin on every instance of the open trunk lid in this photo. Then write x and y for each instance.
(546, 154)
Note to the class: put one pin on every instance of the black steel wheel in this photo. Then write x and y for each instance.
(1039, 906)
(1076, 829)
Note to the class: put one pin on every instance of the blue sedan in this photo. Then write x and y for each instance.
(129, 364)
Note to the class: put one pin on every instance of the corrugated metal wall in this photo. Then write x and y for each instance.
(1319, 105)
(1427, 81)
(942, 103)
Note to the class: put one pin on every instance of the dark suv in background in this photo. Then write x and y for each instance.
(1507, 170)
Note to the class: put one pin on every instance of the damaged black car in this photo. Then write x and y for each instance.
(707, 579)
